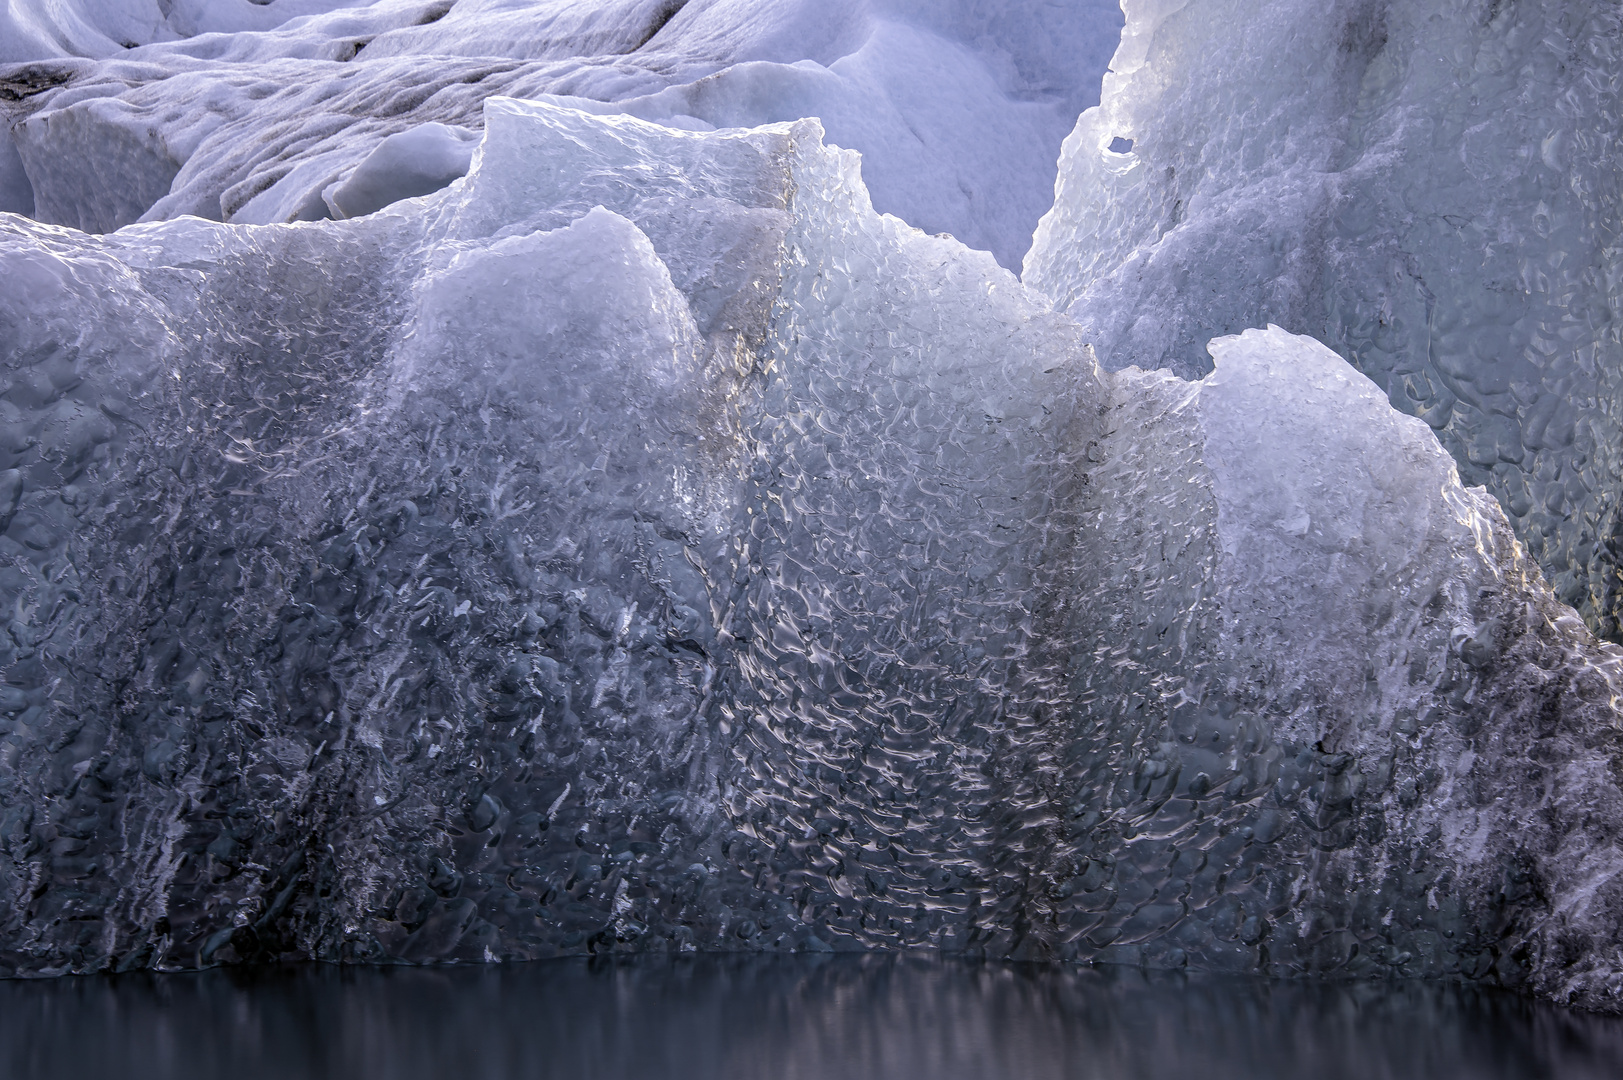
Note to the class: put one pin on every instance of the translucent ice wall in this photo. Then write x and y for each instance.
(1326, 716)
(1429, 188)
(484, 555)
(642, 544)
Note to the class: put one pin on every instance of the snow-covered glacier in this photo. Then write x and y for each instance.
(632, 540)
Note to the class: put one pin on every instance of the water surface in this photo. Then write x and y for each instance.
(783, 1017)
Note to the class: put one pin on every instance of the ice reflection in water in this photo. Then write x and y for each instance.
(791, 1018)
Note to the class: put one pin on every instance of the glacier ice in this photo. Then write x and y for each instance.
(959, 108)
(1430, 188)
(640, 543)
(1349, 594)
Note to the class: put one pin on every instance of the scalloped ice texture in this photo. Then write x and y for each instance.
(1326, 718)
(1431, 189)
(959, 108)
(642, 544)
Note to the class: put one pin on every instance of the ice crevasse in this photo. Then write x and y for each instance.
(640, 543)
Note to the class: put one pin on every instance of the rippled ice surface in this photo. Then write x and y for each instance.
(795, 1018)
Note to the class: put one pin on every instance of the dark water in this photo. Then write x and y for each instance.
(787, 1018)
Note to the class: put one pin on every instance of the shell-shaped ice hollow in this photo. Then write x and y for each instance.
(641, 544)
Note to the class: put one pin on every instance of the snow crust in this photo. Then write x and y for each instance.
(1430, 189)
(958, 108)
(641, 543)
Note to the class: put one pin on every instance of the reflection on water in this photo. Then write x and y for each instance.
(794, 1018)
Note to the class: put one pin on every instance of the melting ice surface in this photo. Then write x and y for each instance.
(640, 544)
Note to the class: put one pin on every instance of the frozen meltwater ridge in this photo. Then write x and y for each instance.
(642, 544)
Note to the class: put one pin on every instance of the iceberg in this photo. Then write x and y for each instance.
(490, 545)
(538, 502)
(642, 544)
